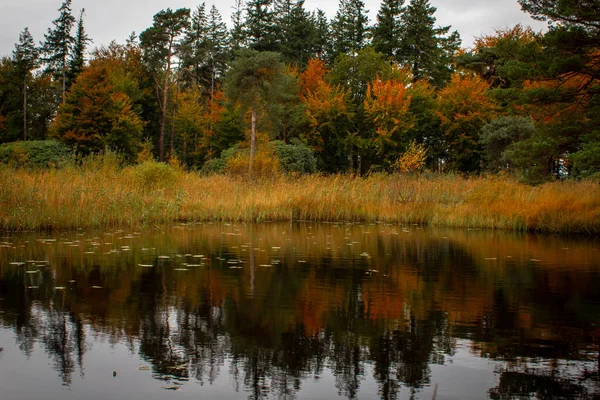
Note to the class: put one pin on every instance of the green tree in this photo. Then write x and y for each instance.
(194, 47)
(252, 79)
(77, 59)
(58, 45)
(424, 47)
(354, 72)
(388, 30)
(499, 136)
(350, 27)
(260, 28)
(323, 33)
(237, 34)
(569, 12)
(298, 34)
(161, 44)
(25, 57)
(218, 40)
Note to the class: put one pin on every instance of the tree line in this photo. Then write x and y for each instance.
(398, 94)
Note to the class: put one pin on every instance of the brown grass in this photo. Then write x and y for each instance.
(101, 194)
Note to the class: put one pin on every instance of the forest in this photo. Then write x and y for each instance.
(291, 90)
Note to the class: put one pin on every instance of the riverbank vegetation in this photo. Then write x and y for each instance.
(99, 192)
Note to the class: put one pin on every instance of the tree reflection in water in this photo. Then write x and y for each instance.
(352, 300)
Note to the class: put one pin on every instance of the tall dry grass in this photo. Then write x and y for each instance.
(99, 193)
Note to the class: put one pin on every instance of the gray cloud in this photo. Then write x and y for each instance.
(107, 20)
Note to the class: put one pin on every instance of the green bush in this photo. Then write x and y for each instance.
(295, 157)
(152, 174)
(35, 153)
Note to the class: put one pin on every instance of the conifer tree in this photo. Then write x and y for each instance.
(254, 78)
(25, 57)
(80, 43)
(260, 28)
(424, 47)
(161, 43)
(350, 27)
(217, 46)
(58, 45)
(194, 48)
(323, 31)
(298, 33)
(388, 29)
(237, 34)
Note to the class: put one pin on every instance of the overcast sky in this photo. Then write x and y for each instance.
(107, 20)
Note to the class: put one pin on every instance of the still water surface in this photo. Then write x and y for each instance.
(307, 311)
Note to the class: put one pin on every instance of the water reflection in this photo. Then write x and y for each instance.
(278, 307)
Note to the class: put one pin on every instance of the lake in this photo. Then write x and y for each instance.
(298, 310)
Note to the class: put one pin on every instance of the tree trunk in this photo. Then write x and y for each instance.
(25, 110)
(64, 80)
(163, 114)
(252, 139)
(173, 120)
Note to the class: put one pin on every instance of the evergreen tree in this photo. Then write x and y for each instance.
(217, 46)
(253, 79)
(79, 46)
(25, 57)
(323, 32)
(350, 27)
(424, 47)
(194, 48)
(238, 37)
(388, 29)
(298, 33)
(260, 28)
(162, 43)
(58, 45)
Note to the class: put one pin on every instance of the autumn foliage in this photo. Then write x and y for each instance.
(97, 115)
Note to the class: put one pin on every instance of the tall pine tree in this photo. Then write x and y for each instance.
(217, 47)
(161, 44)
(388, 29)
(350, 27)
(25, 57)
(80, 44)
(237, 34)
(260, 27)
(58, 45)
(298, 36)
(425, 48)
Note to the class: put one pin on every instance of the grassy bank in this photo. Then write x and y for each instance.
(100, 194)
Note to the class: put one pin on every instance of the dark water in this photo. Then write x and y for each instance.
(307, 311)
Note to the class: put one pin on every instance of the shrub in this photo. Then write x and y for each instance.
(295, 157)
(152, 174)
(34, 154)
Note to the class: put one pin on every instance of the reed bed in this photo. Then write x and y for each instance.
(99, 193)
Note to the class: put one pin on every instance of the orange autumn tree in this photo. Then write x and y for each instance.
(327, 112)
(97, 114)
(387, 104)
(464, 107)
